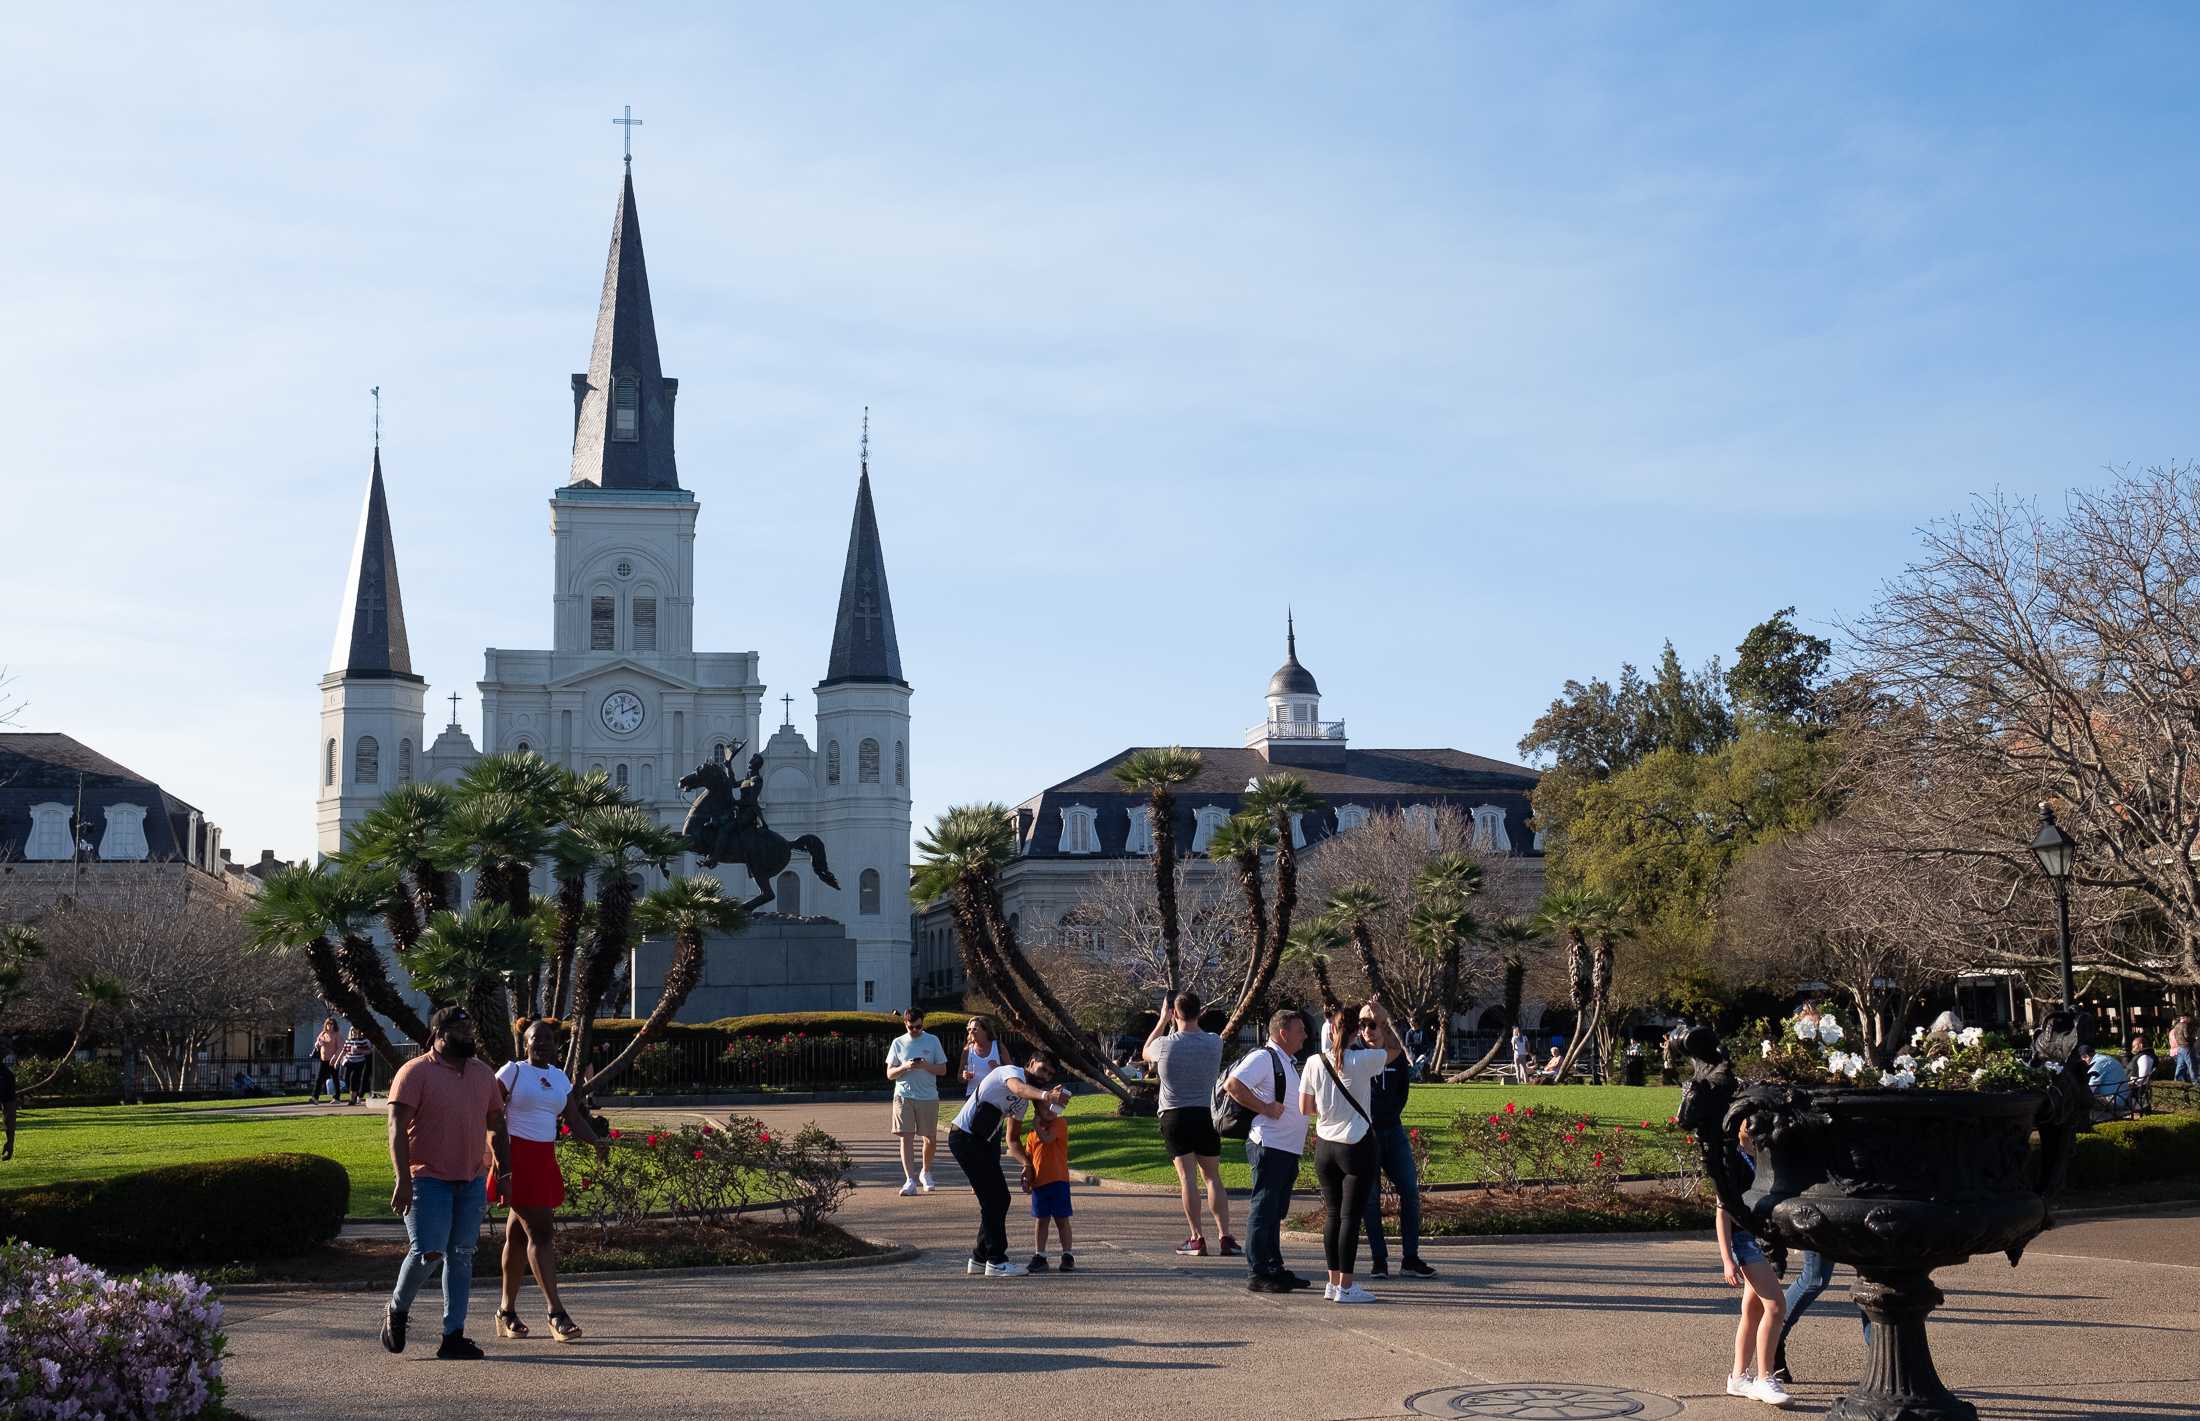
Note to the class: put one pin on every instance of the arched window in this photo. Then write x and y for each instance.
(1140, 838)
(1424, 815)
(404, 762)
(718, 750)
(901, 763)
(522, 748)
(367, 766)
(125, 836)
(832, 762)
(50, 839)
(619, 777)
(1205, 820)
(328, 765)
(626, 409)
(787, 894)
(867, 892)
(867, 762)
(1489, 829)
(1080, 829)
(644, 618)
(1350, 817)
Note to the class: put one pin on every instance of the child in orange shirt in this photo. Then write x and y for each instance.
(1046, 1179)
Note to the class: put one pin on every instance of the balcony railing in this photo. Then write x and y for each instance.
(1294, 730)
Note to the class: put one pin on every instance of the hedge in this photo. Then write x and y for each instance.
(214, 1211)
(2119, 1152)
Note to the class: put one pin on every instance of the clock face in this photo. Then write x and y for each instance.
(622, 712)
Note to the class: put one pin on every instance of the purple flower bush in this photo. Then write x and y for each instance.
(78, 1345)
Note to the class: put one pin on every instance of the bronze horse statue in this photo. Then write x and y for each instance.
(726, 825)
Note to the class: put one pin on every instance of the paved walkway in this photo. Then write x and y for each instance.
(2101, 1322)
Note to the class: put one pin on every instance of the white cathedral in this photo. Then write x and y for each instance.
(622, 689)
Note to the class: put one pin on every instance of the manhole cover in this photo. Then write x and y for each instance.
(1543, 1401)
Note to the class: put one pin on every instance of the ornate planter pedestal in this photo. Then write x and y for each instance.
(1900, 1382)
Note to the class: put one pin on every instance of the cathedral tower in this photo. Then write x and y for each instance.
(372, 710)
(862, 789)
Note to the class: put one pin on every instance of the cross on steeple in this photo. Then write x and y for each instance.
(454, 707)
(629, 123)
(865, 454)
(788, 719)
(377, 393)
(867, 614)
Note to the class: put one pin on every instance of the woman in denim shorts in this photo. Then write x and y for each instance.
(1757, 1337)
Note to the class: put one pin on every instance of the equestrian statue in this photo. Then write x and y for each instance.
(726, 825)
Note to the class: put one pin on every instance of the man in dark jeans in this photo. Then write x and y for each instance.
(975, 1142)
(1273, 1148)
(1394, 1149)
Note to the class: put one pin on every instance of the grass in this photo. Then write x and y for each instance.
(1114, 1148)
(96, 1141)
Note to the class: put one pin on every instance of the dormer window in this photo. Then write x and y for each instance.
(1080, 829)
(626, 408)
(1489, 829)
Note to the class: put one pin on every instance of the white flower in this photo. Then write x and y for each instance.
(1829, 1031)
(1906, 1062)
(1939, 1065)
(1917, 1037)
(1806, 1029)
(1978, 1075)
(1768, 1050)
(1898, 1080)
(1851, 1063)
(2054, 1068)
(1971, 1036)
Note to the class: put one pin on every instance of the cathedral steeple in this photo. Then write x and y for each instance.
(622, 405)
(370, 628)
(864, 647)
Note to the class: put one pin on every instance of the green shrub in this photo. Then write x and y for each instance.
(214, 1211)
(2141, 1151)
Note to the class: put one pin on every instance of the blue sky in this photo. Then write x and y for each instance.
(1504, 341)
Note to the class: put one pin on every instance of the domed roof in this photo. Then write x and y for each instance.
(1292, 679)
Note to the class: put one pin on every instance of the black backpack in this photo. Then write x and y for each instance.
(1232, 1120)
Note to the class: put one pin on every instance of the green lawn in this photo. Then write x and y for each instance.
(79, 1142)
(1102, 1144)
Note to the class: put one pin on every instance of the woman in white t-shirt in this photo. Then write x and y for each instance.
(539, 1101)
(981, 1053)
(1338, 1086)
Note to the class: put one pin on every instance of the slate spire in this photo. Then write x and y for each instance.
(622, 404)
(864, 647)
(370, 627)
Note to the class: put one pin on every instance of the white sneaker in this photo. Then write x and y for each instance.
(974, 1267)
(1738, 1383)
(1329, 1292)
(926, 1180)
(908, 1187)
(1769, 1391)
(1005, 1270)
(1354, 1294)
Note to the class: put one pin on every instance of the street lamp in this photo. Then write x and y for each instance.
(2056, 852)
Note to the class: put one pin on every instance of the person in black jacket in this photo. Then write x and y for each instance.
(1394, 1149)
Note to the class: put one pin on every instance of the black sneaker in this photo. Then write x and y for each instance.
(458, 1347)
(1069, 1262)
(1417, 1268)
(393, 1331)
(1293, 1281)
(1260, 1283)
(1782, 1376)
(1038, 1263)
(1380, 1270)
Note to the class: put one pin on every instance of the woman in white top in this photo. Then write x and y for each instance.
(537, 1097)
(1338, 1086)
(981, 1053)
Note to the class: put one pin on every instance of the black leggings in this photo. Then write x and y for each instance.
(1347, 1173)
(355, 1078)
(326, 1071)
(981, 1163)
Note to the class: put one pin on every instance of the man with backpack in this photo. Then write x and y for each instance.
(1264, 1089)
(1187, 1060)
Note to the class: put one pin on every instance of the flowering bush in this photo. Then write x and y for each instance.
(75, 1342)
(705, 1174)
(812, 1168)
(1807, 1051)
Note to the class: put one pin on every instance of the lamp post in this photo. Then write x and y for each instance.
(2057, 851)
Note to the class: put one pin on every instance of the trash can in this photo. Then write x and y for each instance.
(1631, 1071)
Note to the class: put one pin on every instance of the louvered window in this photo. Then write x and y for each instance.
(645, 624)
(404, 762)
(603, 613)
(626, 409)
(367, 768)
(867, 762)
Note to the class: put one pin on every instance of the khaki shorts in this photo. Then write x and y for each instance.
(916, 1117)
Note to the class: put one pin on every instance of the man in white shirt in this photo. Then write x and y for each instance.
(915, 1063)
(1272, 1148)
(975, 1142)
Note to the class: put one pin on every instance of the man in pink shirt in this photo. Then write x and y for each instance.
(445, 1108)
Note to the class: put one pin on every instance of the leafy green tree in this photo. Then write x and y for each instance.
(1156, 773)
(471, 958)
(1778, 673)
(401, 833)
(353, 895)
(294, 912)
(626, 840)
(1441, 925)
(687, 910)
(1312, 944)
(1581, 918)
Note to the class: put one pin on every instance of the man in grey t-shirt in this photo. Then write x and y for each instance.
(1188, 1061)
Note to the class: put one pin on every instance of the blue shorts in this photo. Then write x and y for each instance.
(1746, 1249)
(1051, 1201)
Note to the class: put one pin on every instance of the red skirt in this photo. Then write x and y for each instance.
(536, 1182)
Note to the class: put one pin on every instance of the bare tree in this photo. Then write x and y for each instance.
(2027, 658)
(1112, 955)
(12, 706)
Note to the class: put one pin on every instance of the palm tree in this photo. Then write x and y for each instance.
(292, 914)
(687, 910)
(469, 958)
(356, 894)
(1578, 915)
(401, 833)
(1312, 944)
(1239, 841)
(573, 857)
(1282, 799)
(1440, 928)
(497, 836)
(20, 946)
(962, 857)
(1354, 908)
(626, 840)
(1156, 774)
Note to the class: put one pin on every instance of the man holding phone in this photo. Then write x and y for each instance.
(1187, 1061)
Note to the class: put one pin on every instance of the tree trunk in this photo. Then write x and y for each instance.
(1321, 982)
(681, 976)
(1582, 1031)
(1261, 960)
(491, 1007)
(1447, 997)
(1161, 814)
(1287, 882)
(361, 961)
(402, 919)
(1601, 985)
(61, 1063)
(340, 991)
(1079, 1056)
(1378, 985)
(1516, 978)
(614, 920)
(572, 912)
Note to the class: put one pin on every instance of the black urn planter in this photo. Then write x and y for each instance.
(1895, 1183)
